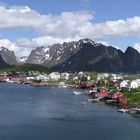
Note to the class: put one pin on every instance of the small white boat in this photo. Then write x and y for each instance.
(94, 90)
(77, 93)
(83, 103)
(123, 110)
(97, 99)
(135, 110)
(90, 100)
(62, 86)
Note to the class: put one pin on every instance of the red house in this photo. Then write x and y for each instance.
(117, 95)
(104, 93)
(123, 100)
(2, 79)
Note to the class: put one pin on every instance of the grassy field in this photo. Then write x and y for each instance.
(133, 96)
(25, 68)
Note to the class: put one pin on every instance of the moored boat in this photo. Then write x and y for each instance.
(77, 93)
(123, 110)
(97, 99)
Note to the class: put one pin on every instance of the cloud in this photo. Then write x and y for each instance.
(137, 46)
(23, 42)
(47, 40)
(19, 51)
(104, 42)
(20, 16)
(67, 24)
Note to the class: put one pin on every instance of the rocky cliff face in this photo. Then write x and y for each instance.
(94, 57)
(2, 63)
(38, 56)
(7, 56)
(86, 55)
(131, 60)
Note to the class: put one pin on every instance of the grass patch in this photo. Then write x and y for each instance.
(24, 68)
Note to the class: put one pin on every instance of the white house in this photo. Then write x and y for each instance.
(30, 78)
(55, 76)
(138, 81)
(123, 84)
(106, 75)
(65, 75)
(88, 77)
(115, 77)
(134, 84)
(75, 78)
(100, 76)
(81, 73)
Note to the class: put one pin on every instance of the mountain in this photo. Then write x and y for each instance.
(22, 59)
(7, 56)
(38, 55)
(132, 59)
(59, 53)
(93, 56)
(86, 55)
(2, 63)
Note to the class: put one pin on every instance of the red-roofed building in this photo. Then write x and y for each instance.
(117, 95)
(123, 100)
(104, 93)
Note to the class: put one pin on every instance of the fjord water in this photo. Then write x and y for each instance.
(51, 113)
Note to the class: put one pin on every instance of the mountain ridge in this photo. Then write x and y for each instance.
(85, 55)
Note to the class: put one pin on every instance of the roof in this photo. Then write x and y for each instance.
(113, 91)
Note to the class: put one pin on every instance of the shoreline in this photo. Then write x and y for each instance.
(125, 106)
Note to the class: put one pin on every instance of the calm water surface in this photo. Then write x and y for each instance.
(50, 113)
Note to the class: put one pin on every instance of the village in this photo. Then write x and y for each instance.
(121, 90)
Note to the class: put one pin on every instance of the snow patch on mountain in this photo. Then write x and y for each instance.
(22, 59)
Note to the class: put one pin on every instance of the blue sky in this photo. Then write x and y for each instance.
(29, 23)
(103, 9)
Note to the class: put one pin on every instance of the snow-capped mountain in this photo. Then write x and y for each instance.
(38, 55)
(7, 56)
(57, 53)
(22, 59)
(85, 55)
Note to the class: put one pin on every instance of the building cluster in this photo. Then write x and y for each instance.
(31, 76)
(80, 79)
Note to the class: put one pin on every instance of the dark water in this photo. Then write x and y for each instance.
(30, 113)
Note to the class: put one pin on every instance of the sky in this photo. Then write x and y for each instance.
(27, 24)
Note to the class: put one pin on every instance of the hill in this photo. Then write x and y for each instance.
(24, 68)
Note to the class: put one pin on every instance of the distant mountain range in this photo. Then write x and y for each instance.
(82, 55)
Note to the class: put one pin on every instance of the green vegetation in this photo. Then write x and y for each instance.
(25, 68)
(93, 75)
(55, 81)
(133, 96)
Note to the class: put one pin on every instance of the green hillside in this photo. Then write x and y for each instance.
(25, 68)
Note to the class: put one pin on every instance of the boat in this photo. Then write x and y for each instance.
(97, 99)
(83, 103)
(94, 90)
(90, 100)
(135, 110)
(62, 85)
(77, 93)
(123, 110)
